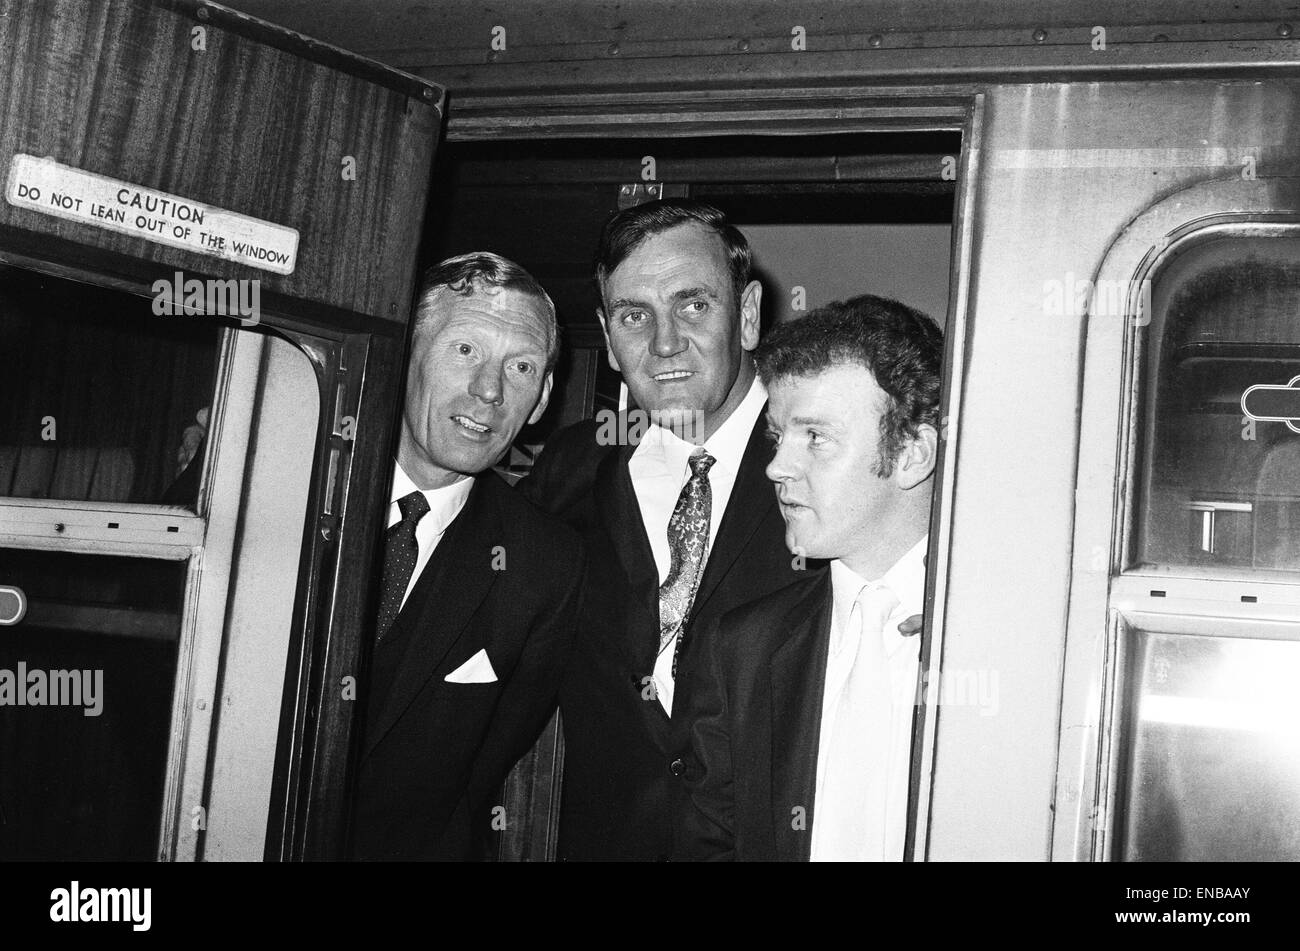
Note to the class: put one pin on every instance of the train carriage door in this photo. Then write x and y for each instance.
(207, 251)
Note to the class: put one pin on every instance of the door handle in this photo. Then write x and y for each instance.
(13, 605)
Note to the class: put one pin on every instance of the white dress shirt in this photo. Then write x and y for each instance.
(444, 505)
(659, 469)
(862, 814)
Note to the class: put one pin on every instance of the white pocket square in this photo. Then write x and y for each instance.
(476, 670)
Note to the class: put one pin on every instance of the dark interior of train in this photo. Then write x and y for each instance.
(86, 781)
(102, 403)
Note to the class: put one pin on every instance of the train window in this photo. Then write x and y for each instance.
(1206, 757)
(100, 399)
(114, 725)
(1219, 489)
(1214, 756)
(85, 727)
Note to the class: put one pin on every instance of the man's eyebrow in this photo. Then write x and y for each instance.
(813, 421)
(688, 292)
(621, 302)
(529, 351)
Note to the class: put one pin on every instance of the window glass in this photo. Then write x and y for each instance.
(100, 399)
(86, 681)
(1211, 761)
(1218, 488)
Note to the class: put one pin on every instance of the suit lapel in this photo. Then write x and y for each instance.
(621, 515)
(798, 676)
(752, 500)
(451, 588)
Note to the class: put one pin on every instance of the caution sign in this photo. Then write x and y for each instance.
(51, 188)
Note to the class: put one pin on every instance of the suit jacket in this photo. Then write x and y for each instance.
(504, 579)
(622, 785)
(756, 709)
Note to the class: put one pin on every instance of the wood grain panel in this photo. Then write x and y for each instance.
(258, 123)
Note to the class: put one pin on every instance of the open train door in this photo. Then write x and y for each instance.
(172, 168)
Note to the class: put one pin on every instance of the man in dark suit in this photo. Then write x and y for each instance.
(679, 521)
(480, 590)
(802, 703)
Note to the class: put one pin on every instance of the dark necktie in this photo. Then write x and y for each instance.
(400, 553)
(688, 544)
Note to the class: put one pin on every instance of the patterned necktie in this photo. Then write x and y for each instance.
(688, 544)
(400, 553)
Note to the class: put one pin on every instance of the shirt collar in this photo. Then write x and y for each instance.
(444, 503)
(906, 578)
(728, 444)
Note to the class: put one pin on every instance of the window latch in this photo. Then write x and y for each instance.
(1271, 402)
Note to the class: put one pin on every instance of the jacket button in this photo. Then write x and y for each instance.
(677, 767)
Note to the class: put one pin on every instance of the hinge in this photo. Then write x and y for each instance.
(642, 192)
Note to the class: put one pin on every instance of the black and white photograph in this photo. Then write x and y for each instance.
(651, 432)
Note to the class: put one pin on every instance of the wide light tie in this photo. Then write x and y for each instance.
(851, 806)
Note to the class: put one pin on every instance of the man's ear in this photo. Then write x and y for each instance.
(609, 347)
(751, 315)
(543, 399)
(918, 457)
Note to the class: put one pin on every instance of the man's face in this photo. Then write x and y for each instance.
(675, 330)
(827, 432)
(477, 375)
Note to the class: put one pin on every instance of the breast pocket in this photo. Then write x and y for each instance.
(478, 669)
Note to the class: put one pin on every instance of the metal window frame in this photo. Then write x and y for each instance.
(195, 700)
(339, 353)
(1188, 614)
(1108, 598)
(162, 532)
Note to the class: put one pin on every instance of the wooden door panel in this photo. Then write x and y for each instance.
(255, 120)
